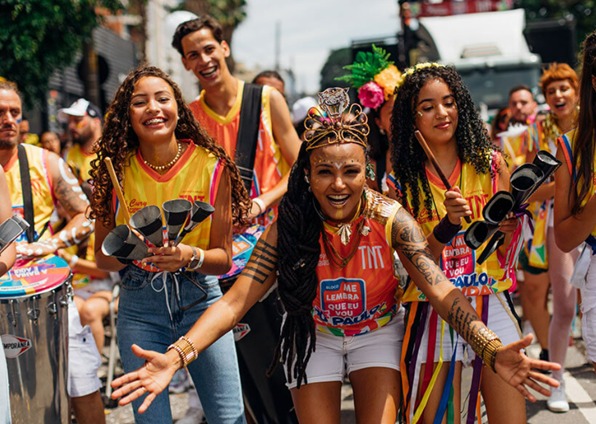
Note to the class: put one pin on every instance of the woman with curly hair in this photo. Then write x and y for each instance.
(541, 260)
(575, 202)
(432, 99)
(160, 153)
(332, 247)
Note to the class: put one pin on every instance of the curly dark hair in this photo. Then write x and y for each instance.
(119, 141)
(473, 141)
(583, 145)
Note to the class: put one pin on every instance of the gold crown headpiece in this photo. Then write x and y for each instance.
(335, 121)
(411, 70)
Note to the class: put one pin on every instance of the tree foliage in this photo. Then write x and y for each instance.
(334, 68)
(584, 12)
(39, 37)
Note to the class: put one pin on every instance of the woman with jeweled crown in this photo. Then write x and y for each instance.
(331, 251)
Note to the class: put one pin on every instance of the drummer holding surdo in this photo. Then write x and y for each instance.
(7, 259)
(51, 179)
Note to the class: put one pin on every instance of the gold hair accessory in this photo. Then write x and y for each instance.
(331, 124)
(413, 69)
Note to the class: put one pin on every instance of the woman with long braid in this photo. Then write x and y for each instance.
(575, 189)
(332, 247)
(160, 153)
(432, 99)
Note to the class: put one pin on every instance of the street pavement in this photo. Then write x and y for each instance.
(580, 381)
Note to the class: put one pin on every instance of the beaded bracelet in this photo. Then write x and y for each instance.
(486, 344)
(185, 349)
(444, 231)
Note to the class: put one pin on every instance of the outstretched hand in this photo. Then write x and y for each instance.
(518, 370)
(151, 378)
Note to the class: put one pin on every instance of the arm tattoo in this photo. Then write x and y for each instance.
(465, 323)
(408, 238)
(262, 263)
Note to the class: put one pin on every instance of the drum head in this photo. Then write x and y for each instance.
(36, 276)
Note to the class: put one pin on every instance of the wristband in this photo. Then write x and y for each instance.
(260, 204)
(444, 231)
(197, 259)
(74, 259)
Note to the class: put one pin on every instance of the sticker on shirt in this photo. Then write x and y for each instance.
(343, 297)
(459, 265)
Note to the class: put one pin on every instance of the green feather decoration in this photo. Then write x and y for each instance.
(366, 66)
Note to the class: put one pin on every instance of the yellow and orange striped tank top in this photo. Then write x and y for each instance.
(458, 261)
(80, 161)
(41, 186)
(270, 166)
(195, 176)
(363, 295)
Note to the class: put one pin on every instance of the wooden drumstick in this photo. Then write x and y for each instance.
(433, 160)
(117, 187)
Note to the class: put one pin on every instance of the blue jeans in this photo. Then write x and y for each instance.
(154, 313)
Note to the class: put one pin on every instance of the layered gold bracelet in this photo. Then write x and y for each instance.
(186, 350)
(486, 344)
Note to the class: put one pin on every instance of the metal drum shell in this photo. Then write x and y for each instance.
(38, 375)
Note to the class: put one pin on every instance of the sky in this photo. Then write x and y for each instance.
(310, 30)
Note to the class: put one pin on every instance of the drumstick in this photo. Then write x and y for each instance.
(117, 187)
(433, 160)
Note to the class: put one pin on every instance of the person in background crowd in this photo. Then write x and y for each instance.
(52, 181)
(541, 260)
(375, 77)
(26, 136)
(84, 125)
(522, 106)
(271, 78)
(575, 202)
(499, 124)
(299, 110)
(50, 141)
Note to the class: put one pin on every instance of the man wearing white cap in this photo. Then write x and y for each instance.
(84, 126)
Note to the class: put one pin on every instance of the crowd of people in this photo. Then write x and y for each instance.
(368, 256)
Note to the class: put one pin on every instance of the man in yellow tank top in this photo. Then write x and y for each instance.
(52, 181)
(84, 126)
(204, 52)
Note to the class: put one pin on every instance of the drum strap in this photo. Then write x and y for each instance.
(248, 133)
(27, 194)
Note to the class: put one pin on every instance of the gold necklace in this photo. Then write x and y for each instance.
(336, 258)
(168, 165)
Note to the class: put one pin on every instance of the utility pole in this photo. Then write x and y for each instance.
(277, 45)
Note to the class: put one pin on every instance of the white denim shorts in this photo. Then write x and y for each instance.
(336, 356)
(500, 321)
(83, 357)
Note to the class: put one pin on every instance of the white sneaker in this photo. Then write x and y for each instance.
(193, 416)
(557, 402)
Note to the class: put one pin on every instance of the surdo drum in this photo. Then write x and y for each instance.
(34, 299)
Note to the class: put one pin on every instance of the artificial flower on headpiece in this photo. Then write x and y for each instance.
(335, 121)
(374, 75)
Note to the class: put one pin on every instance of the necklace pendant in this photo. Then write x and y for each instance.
(365, 230)
(345, 233)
